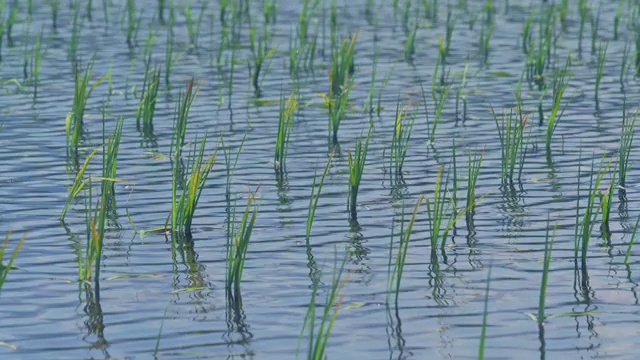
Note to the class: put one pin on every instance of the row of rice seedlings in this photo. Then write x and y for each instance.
(560, 84)
(624, 147)
(316, 189)
(193, 27)
(601, 58)
(513, 149)
(285, 123)
(585, 223)
(237, 245)
(5, 269)
(400, 140)
(148, 98)
(260, 53)
(356, 169)
(74, 121)
(395, 275)
(318, 338)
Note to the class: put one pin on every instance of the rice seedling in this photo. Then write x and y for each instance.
(110, 160)
(162, 4)
(342, 67)
(318, 339)
(513, 150)
(474, 163)
(285, 122)
(586, 222)
(460, 94)
(616, 21)
(148, 97)
(400, 140)
(89, 9)
(560, 84)
(132, 22)
(193, 27)
(237, 245)
(631, 242)
(406, 8)
(527, 39)
(395, 275)
(595, 23)
(316, 189)
(624, 147)
(624, 65)
(55, 8)
(74, 122)
(605, 209)
(78, 185)
(485, 38)
(356, 169)
(5, 269)
(269, 9)
(485, 313)
(148, 48)
(76, 26)
(11, 20)
(36, 63)
(439, 107)
(169, 58)
(337, 108)
(410, 45)
(601, 59)
(430, 8)
(224, 5)
(442, 208)
(181, 118)
(309, 7)
(260, 54)
(583, 11)
(548, 248)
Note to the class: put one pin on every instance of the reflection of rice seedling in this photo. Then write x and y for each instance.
(631, 242)
(237, 245)
(318, 339)
(315, 196)
(548, 247)
(287, 108)
(395, 275)
(485, 313)
(5, 269)
(356, 169)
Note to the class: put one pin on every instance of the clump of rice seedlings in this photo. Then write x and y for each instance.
(443, 210)
(583, 11)
(55, 9)
(356, 169)
(110, 160)
(237, 245)
(548, 248)
(601, 59)
(616, 21)
(485, 38)
(76, 26)
(624, 148)
(308, 9)
(318, 338)
(11, 19)
(395, 275)
(586, 222)
(474, 163)
(631, 242)
(400, 140)
(74, 122)
(511, 128)
(147, 105)
(193, 27)
(560, 84)
(181, 119)
(132, 23)
(260, 54)
(527, 38)
(285, 122)
(5, 269)
(78, 185)
(410, 45)
(316, 189)
(269, 11)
